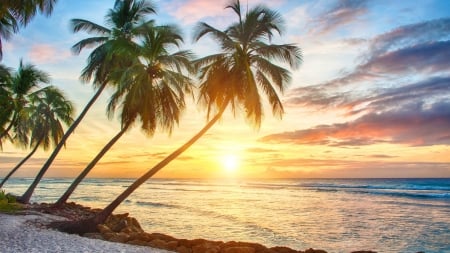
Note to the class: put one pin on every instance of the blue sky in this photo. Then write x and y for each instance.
(371, 99)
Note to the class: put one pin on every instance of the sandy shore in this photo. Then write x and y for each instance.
(19, 233)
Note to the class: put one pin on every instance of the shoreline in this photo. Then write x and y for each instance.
(29, 231)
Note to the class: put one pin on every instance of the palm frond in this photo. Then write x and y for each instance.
(222, 38)
(278, 75)
(88, 43)
(286, 53)
(89, 27)
(271, 93)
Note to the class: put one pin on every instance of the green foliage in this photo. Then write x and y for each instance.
(8, 203)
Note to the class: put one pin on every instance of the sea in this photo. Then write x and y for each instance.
(336, 215)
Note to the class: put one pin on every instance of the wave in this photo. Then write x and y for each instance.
(155, 204)
(443, 195)
(421, 195)
(408, 188)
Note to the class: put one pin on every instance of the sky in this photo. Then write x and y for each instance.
(371, 98)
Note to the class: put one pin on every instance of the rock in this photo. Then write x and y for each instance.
(94, 236)
(139, 236)
(183, 249)
(127, 230)
(119, 237)
(117, 227)
(184, 242)
(206, 247)
(310, 250)
(108, 235)
(232, 244)
(160, 236)
(243, 249)
(172, 245)
(117, 222)
(283, 250)
(158, 243)
(367, 251)
(134, 225)
(103, 229)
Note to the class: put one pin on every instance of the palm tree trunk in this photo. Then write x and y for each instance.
(90, 225)
(21, 162)
(27, 195)
(90, 166)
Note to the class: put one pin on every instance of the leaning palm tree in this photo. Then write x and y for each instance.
(150, 90)
(15, 89)
(235, 77)
(15, 13)
(46, 111)
(126, 21)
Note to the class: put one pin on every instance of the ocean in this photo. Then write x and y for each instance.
(337, 215)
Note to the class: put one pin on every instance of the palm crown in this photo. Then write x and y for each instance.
(47, 110)
(153, 86)
(124, 23)
(16, 88)
(243, 69)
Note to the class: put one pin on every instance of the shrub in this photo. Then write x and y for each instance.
(8, 203)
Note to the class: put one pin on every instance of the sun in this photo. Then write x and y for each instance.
(230, 162)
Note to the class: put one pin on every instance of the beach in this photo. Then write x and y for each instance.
(20, 233)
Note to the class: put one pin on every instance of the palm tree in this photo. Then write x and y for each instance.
(151, 90)
(16, 13)
(6, 100)
(46, 110)
(15, 89)
(126, 21)
(235, 77)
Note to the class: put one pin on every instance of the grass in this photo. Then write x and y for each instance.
(8, 203)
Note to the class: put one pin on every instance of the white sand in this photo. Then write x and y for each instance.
(17, 234)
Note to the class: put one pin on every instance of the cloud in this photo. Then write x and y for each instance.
(44, 53)
(429, 58)
(192, 11)
(383, 156)
(425, 58)
(433, 89)
(409, 35)
(420, 48)
(388, 108)
(414, 125)
(383, 99)
(342, 13)
(260, 150)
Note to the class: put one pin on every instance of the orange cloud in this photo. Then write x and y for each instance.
(415, 125)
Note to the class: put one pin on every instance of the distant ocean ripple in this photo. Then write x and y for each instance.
(338, 215)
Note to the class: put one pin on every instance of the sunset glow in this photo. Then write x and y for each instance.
(230, 163)
(370, 99)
